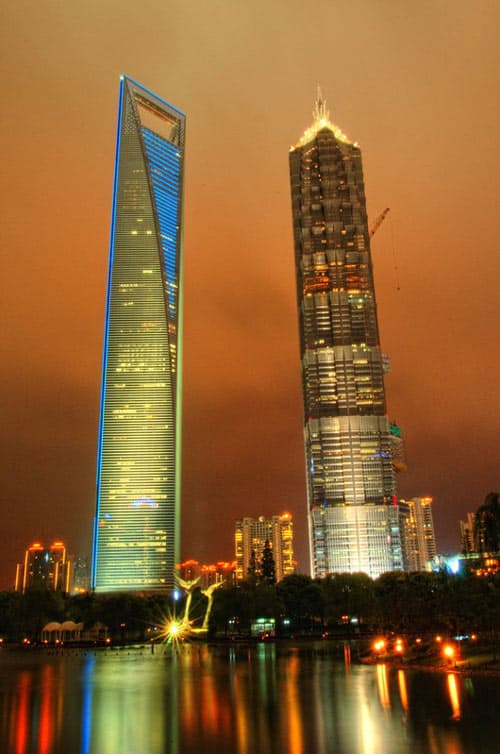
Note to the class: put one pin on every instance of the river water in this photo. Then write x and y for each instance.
(264, 699)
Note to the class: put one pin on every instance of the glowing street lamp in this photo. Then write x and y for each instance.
(379, 645)
(399, 646)
(449, 652)
(174, 629)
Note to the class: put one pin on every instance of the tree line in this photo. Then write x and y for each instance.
(341, 604)
(348, 603)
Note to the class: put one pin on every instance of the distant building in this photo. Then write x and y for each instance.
(467, 534)
(487, 525)
(43, 567)
(208, 573)
(417, 533)
(481, 564)
(81, 576)
(251, 535)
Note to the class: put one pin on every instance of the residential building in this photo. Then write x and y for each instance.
(136, 528)
(417, 533)
(351, 488)
(251, 535)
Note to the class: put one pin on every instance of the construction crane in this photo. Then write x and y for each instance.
(378, 222)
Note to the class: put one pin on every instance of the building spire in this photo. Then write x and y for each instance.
(320, 112)
(321, 119)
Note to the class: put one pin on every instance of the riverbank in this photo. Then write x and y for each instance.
(475, 660)
(485, 664)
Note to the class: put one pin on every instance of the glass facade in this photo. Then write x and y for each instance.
(136, 531)
(348, 445)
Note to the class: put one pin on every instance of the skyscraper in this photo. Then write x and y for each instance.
(353, 521)
(136, 531)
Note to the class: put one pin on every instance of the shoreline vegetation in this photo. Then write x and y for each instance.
(415, 620)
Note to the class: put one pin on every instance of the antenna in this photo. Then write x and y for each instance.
(320, 112)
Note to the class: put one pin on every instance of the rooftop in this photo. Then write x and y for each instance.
(321, 120)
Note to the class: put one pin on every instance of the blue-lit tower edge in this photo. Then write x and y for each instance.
(126, 83)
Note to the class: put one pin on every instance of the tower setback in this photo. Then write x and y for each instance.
(136, 529)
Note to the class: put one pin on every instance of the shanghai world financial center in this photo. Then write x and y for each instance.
(136, 529)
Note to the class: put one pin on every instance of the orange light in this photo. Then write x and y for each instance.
(378, 645)
(439, 639)
(454, 696)
(448, 651)
(418, 641)
(473, 637)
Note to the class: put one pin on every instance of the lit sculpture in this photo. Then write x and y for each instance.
(185, 627)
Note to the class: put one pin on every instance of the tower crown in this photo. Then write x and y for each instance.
(321, 120)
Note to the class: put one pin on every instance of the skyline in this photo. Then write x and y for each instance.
(425, 115)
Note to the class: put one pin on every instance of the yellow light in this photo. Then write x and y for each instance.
(454, 696)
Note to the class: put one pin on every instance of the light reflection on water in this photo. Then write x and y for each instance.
(266, 699)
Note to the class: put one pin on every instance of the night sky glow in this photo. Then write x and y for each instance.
(416, 84)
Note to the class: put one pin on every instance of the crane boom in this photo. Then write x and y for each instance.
(378, 222)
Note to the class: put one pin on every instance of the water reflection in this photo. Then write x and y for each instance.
(403, 692)
(454, 695)
(269, 699)
(382, 685)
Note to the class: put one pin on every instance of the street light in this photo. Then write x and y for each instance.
(378, 645)
(449, 652)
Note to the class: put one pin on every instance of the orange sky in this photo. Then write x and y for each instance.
(416, 84)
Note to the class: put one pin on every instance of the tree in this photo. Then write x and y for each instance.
(348, 594)
(302, 600)
(267, 566)
(252, 568)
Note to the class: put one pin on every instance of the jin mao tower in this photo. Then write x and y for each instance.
(351, 491)
(136, 528)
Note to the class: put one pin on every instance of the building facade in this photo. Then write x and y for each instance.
(44, 567)
(136, 528)
(351, 489)
(250, 537)
(417, 533)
